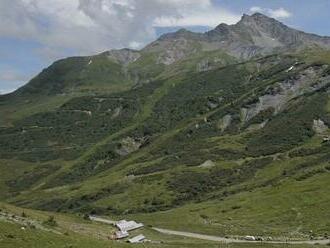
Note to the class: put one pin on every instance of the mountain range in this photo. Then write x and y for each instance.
(228, 129)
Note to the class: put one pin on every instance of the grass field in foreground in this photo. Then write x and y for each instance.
(72, 231)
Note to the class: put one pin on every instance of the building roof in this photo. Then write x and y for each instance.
(124, 225)
(137, 239)
(121, 234)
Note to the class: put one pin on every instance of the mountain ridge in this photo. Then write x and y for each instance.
(243, 40)
(249, 37)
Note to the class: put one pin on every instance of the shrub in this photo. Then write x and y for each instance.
(51, 221)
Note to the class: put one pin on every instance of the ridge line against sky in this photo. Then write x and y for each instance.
(34, 33)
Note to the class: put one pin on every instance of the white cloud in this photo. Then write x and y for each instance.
(135, 45)
(256, 9)
(91, 26)
(210, 17)
(196, 13)
(279, 13)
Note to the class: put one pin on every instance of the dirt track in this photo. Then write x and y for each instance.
(217, 238)
(230, 240)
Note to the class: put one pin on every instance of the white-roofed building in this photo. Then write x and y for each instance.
(137, 239)
(121, 234)
(124, 225)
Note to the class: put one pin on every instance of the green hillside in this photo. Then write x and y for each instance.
(29, 228)
(209, 143)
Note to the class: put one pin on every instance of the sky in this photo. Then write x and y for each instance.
(35, 33)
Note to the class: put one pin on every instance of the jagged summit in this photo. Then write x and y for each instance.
(256, 16)
(253, 35)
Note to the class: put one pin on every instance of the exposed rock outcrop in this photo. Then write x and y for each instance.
(207, 164)
(319, 126)
(124, 56)
(127, 146)
(224, 122)
(278, 95)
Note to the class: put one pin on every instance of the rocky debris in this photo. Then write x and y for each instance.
(129, 178)
(204, 65)
(212, 105)
(290, 68)
(207, 164)
(87, 112)
(123, 56)
(263, 124)
(319, 126)
(224, 122)
(178, 49)
(128, 145)
(279, 94)
(116, 112)
(255, 127)
(100, 99)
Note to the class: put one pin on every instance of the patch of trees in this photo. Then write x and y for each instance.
(191, 185)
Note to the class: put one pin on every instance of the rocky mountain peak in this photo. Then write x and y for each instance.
(253, 35)
(181, 33)
(259, 23)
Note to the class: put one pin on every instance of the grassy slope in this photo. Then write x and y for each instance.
(62, 81)
(247, 209)
(290, 210)
(72, 231)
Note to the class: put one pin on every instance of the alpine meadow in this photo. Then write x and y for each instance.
(214, 139)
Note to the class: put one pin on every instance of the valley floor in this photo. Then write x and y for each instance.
(30, 228)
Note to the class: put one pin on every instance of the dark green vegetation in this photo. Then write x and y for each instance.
(233, 146)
